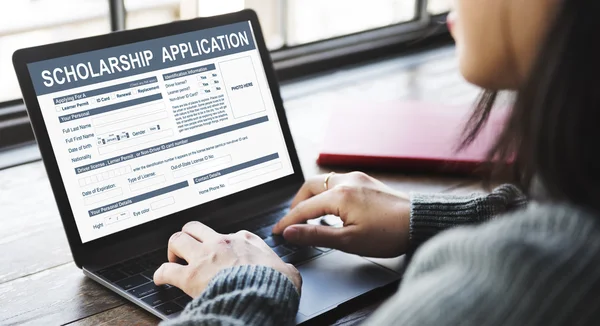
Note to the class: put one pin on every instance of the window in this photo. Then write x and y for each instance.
(27, 23)
(142, 13)
(436, 7)
(284, 23)
(341, 17)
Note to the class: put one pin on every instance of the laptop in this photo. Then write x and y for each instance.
(144, 130)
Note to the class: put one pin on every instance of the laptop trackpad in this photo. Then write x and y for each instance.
(337, 278)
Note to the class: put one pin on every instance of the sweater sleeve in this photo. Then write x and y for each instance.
(243, 295)
(433, 213)
(538, 266)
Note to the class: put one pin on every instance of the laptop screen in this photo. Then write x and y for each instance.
(145, 130)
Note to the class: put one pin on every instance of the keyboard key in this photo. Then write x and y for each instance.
(169, 308)
(302, 255)
(153, 266)
(153, 254)
(132, 282)
(112, 275)
(281, 251)
(146, 265)
(132, 269)
(183, 301)
(324, 249)
(264, 232)
(149, 274)
(292, 247)
(144, 290)
(157, 258)
(157, 261)
(163, 296)
(275, 240)
(274, 217)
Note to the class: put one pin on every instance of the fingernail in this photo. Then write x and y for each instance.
(155, 273)
(174, 236)
(291, 233)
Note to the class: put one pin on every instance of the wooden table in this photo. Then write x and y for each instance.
(40, 285)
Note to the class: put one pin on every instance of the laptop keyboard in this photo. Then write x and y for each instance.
(135, 276)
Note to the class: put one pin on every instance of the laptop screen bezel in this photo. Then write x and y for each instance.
(25, 56)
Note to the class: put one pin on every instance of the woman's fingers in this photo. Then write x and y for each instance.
(317, 235)
(182, 245)
(307, 190)
(315, 186)
(200, 231)
(170, 273)
(317, 206)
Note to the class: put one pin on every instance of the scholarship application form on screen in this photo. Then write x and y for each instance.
(147, 129)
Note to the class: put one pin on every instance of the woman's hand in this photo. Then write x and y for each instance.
(207, 252)
(376, 218)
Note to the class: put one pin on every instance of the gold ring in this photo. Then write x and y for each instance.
(326, 182)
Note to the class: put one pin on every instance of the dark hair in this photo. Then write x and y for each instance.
(553, 131)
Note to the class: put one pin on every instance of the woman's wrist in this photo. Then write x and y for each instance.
(433, 213)
(402, 209)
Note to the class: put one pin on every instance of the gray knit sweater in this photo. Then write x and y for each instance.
(534, 265)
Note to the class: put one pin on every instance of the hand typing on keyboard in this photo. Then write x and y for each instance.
(208, 252)
(375, 217)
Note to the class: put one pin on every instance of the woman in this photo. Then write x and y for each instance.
(509, 263)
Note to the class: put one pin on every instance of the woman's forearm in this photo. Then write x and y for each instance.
(243, 295)
(433, 213)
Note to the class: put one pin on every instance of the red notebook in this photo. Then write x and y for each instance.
(405, 136)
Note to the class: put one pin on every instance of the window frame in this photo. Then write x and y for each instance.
(290, 61)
